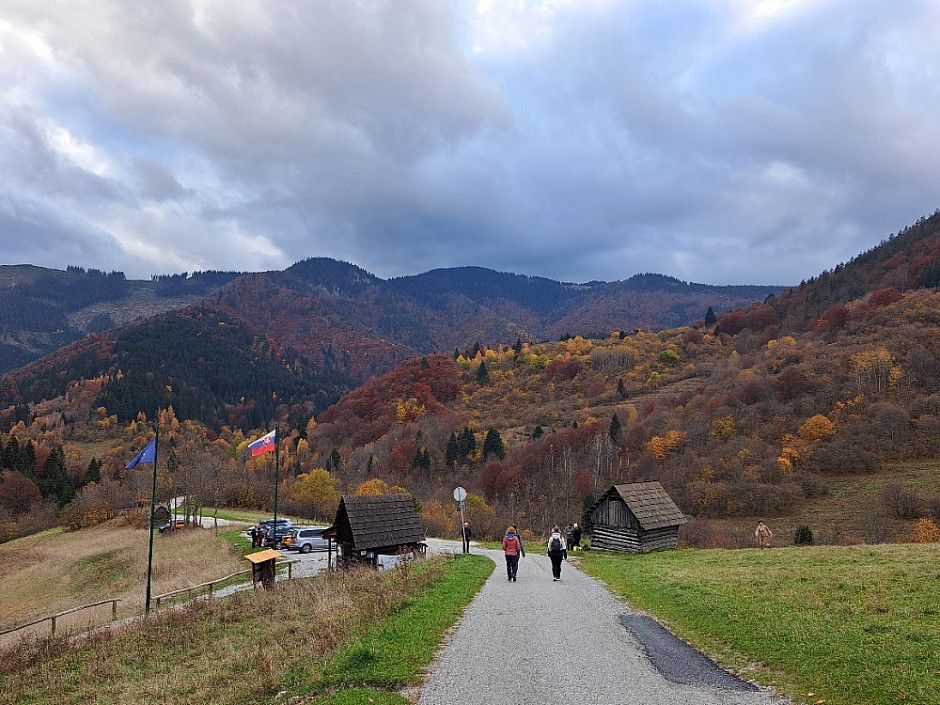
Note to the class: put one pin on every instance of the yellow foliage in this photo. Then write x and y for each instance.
(315, 487)
(377, 486)
(723, 427)
(663, 446)
(816, 428)
(926, 531)
(408, 410)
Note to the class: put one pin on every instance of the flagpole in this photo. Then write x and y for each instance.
(277, 460)
(153, 495)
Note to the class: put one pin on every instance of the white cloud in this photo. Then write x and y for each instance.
(722, 142)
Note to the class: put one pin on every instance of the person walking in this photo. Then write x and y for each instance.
(763, 534)
(466, 534)
(576, 536)
(512, 547)
(556, 552)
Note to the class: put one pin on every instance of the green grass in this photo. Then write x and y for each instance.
(397, 650)
(856, 625)
(341, 638)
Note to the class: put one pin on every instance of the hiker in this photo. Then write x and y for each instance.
(556, 552)
(576, 536)
(465, 534)
(512, 547)
(253, 533)
(569, 538)
(763, 534)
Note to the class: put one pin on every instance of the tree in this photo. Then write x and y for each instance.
(710, 317)
(483, 375)
(621, 389)
(493, 445)
(616, 432)
(318, 489)
(18, 494)
(452, 453)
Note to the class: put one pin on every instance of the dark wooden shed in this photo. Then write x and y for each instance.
(636, 517)
(372, 526)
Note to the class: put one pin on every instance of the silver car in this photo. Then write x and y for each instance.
(306, 539)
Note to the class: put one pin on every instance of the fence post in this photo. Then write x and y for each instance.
(113, 610)
(53, 626)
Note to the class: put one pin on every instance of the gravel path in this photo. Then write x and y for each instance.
(514, 643)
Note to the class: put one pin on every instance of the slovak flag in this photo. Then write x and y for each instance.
(147, 455)
(265, 444)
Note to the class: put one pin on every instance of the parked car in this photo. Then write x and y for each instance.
(171, 525)
(306, 539)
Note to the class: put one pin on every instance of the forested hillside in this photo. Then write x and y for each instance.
(754, 412)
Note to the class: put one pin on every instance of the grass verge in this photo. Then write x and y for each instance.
(341, 639)
(853, 625)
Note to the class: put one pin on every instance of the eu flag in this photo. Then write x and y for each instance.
(147, 455)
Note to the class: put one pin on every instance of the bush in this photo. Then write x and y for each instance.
(803, 537)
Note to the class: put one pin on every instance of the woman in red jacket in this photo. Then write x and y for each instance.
(512, 547)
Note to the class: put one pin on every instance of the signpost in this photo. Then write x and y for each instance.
(460, 494)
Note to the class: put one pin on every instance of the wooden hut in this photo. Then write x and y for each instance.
(637, 517)
(368, 527)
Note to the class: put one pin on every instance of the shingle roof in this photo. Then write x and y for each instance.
(651, 504)
(378, 522)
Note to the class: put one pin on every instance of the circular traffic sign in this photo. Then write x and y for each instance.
(460, 494)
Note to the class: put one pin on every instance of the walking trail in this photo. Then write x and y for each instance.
(538, 642)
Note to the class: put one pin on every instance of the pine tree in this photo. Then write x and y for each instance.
(538, 431)
(483, 375)
(452, 453)
(93, 473)
(615, 430)
(493, 445)
(621, 389)
(710, 317)
(517, 346)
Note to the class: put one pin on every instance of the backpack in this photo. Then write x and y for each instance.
(555, 545)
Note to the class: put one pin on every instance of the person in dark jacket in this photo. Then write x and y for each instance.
(466, 534)
(556, 552)
(576, 536)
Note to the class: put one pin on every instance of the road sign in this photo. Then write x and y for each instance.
(460, 494)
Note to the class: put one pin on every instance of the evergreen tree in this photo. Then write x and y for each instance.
(55, 483)
(476, 350)
(615, 430)
(483, 375)
(517, 346)
(335, 463)
(538, 431)
(93, 473)
(710, 317)
(456, 353)
(466, 444)
(493, 445)
(424, 363)
(621, 389)
(452, 453)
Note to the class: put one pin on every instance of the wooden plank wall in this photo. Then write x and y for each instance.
(610, 538)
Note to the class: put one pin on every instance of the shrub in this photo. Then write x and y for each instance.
(926, 531)
(803, 536)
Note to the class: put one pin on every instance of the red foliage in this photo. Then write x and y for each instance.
(18, 493)
(563, 370)
(884, 297)
(834, 319)
(731, 323)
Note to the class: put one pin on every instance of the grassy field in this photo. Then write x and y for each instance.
(340, 639)
(844, 625)
(54, 571)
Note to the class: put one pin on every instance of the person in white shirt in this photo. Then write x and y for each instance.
(556, 551)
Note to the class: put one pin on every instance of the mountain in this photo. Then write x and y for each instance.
(207, 365)
(337, 313)
(42, 310)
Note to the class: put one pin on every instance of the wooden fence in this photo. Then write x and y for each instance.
(113, 601)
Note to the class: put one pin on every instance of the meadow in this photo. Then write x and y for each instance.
(338, 639)
(842, 625)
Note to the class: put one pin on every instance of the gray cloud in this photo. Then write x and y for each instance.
(715, 142)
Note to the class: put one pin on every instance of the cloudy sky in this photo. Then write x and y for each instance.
(717, 141)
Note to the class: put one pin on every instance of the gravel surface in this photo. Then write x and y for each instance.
(536, 641)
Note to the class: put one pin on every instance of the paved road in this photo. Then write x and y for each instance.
(514, 643)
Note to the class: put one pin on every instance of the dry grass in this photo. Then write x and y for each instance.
(43, 575)
(244, 648)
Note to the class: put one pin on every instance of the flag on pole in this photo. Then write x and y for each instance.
(147, 455)
(265, 444)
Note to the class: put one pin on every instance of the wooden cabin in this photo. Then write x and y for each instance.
(637, 517)
(368, 527)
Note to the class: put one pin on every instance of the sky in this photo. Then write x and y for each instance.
(716, 141)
